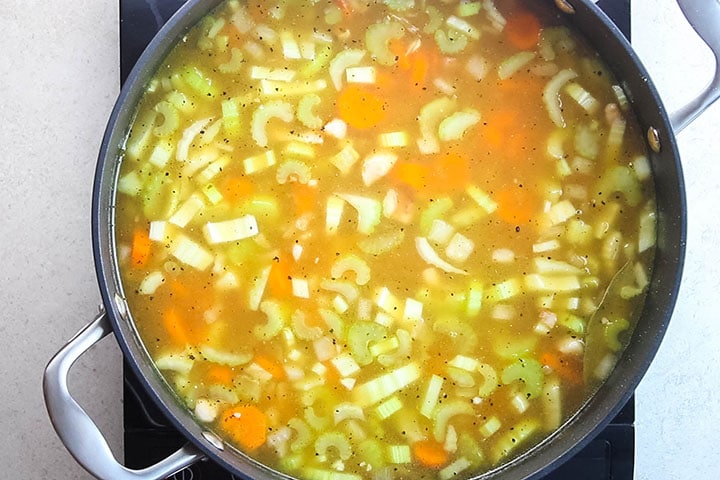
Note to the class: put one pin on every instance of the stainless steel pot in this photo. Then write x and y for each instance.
(86, 443)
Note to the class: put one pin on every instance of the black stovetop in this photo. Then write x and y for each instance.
(149, 437)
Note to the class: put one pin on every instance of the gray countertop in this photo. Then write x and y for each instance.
(58, 84)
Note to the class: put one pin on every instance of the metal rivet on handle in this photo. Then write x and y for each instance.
(653, 138)
(564, 6)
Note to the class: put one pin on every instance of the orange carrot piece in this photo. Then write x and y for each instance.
(359, 107)
(567, 370)
(305, 198)
(451, 171)
(141, 245)
(430, 453)
(416, 175)
(221, 374)
(516, 205)
(419, 70)
(175, 327)
(236, 189)
(246, 426)
(523, 30)
(279, 283)
(270, 365)
(397, 47)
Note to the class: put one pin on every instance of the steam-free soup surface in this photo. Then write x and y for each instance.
(403, 239)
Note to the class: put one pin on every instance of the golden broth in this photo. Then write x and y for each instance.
(399, 240)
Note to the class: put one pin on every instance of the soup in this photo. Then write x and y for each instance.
(384, 240)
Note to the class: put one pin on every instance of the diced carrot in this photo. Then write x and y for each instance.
(417, 175)
(398, 48)
(175, 327)
(246, 426)
(430, 453)
(359, 107)
(305, 198)
(516, 204)
(221, 374)
(270, 365)
(419, 70)
(279, 283)
(236, 189)
(451, 170)
(141, 245)
(567, 369)
(523, 30)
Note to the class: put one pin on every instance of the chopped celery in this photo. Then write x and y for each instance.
(481, 198)
(573, 322)
(384, 346)
(582, 97)
(188, 137)
(368, 209)
(351, 263)
(429, 255)
(399, 5)
(177, 362)
(450, 42)
(140, 135)
(234, 65)
(399, 454)
(456, 125)
(389, 407)
(615, 139)
(432, 393)
(503, 290)
(370, 452)
(459, 248)
(302, 435)
(290, 47)
(345, 158)
(462, 25)
(187, 210)
(335, 440)
(151, 283)
(345, 288)
(465, 363)
(305, 111)
(377, 165)
(551, 95)
(199, 82)
(360, 336)
(612, 331)
(345, 364)
(257, 290)
(561, 212)
(621, 179)
(191, 253)
(347, 411)
(322, 58)
(513, 438)
(301, 329)
(214, 168)
(344, 59)
(511, 65)
(379, 388)
(552, 284)
(468, 9)
(161, 154)
(382, 243)
(277, 318)
(170, 119)
(293, 170)
(490, 380)
(491, 426)
(445, 412)
(130, 183)
(544, 265)
(333, 213)
(437, 209)
(527, 370)
(264, 113)
(260, 162)
(334, 322)
(378, 37)
(231, 117)
(394, 139)
(431, 114)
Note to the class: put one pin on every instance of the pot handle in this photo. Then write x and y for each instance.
(704, 17)
(77, 430)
